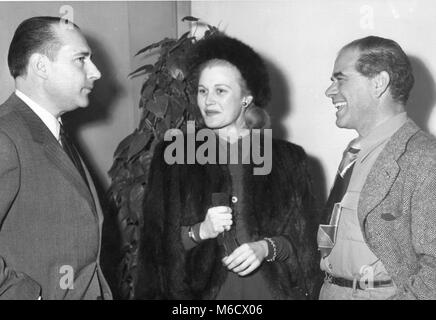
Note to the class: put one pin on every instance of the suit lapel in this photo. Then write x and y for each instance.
(384, 171)
(60, 159)
(53, 150)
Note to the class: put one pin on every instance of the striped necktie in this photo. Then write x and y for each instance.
(341, 181)
(326, 236)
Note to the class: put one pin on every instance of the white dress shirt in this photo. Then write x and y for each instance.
(49, 120)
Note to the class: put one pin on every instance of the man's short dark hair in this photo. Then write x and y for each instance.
(33, 35)
(379, 54)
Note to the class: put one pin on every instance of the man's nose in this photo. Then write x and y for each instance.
(93, 72)
(331, 90)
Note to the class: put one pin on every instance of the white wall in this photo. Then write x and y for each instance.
(300, 40)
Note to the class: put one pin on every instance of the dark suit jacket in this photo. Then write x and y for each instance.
(397, 211)
(50, 222)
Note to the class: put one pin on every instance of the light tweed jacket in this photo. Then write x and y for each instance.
(397, 211)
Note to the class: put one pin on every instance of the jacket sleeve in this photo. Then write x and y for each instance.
(13, 284)
(422, 284)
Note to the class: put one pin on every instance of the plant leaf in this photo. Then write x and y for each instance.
(180, 41)
(147, 92)
(151, 46)
(154, 45)
(123, 145)
(179, 87)
(168, 43)
(136, 193)
(113, 171)
(138, 143)
(190, 18)
(184, 36)
(123, 214)
(137, 169)
(147, 68)
(177, 110)
(161, 128)
(158, 106)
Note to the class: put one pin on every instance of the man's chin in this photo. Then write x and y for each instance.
(83, 103)
(344, 125)
(340, 123)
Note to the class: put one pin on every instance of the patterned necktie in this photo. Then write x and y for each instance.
(348, 159)
(327, 232)
(341, 181)
(72, 153)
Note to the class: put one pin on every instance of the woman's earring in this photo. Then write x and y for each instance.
(244, 104)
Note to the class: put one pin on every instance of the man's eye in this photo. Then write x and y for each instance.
(81, 59)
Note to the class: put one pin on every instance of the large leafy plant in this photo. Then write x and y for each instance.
(167, 101)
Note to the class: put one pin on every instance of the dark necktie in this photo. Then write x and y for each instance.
(72, 153)
(327, 231)
(341, 181)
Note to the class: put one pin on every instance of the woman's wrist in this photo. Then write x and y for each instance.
(194, 233)
(201, 231)
(265, 247)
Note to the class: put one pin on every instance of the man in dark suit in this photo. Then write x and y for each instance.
(383, 202)
(50, 216)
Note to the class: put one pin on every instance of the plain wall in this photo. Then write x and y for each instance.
(300, 40)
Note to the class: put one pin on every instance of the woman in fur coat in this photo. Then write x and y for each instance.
(226, 225)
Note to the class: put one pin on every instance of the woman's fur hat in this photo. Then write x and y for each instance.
(249, 63)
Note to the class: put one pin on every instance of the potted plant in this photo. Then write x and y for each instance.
(167, 102)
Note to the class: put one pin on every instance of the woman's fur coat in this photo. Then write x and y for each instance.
(279, 203)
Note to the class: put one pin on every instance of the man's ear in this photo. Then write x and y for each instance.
(39, 65)
(381, 83)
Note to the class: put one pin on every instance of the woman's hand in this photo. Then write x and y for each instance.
(247, 257)
(218, 220)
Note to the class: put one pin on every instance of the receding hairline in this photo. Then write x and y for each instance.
(57, 28)
(340, 54)
(58, 41)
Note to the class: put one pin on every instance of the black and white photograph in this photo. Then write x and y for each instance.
(234, 151)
